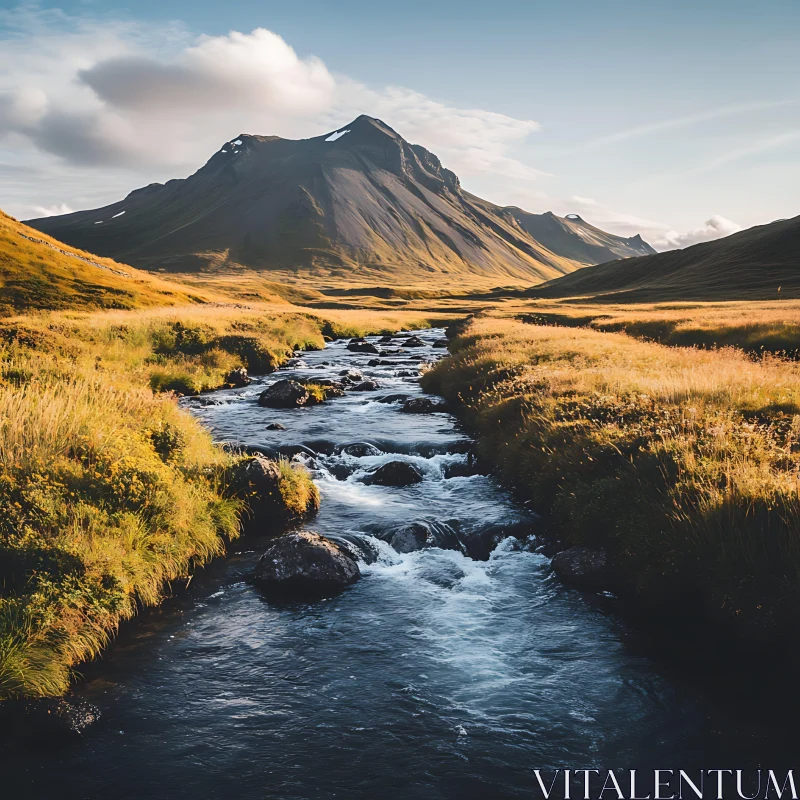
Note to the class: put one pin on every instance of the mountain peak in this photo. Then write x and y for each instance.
(359, 197)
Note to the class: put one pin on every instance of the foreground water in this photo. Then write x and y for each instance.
(435, 676)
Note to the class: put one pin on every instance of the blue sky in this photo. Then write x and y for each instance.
(680, 120)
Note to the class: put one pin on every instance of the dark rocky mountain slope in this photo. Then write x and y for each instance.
(759, 263)
(359, 202)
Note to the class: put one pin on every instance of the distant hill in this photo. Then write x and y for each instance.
(37, 272)
(359, 202)
(573, 237)
(750, 265)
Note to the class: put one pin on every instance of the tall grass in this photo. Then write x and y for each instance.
(683, 463)
(751, 326)
(108, 490)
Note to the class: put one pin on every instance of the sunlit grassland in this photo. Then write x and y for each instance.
(754, 326)
(109, 491)
(682, 462)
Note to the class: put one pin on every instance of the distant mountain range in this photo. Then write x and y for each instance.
(755, 264)
(359, 202)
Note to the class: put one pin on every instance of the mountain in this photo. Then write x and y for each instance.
(754, 264)
(358, 202)
(38, 272)
(574, 238)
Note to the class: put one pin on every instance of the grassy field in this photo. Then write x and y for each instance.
(108, 490)
(682, 462)
(754, 326)
(38, 272)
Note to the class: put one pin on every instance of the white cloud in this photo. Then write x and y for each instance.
(144, 104)
(52, 211)
(219, 73)
(137, 103)
(714, 228)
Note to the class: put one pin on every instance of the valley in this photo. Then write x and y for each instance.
(598, 449)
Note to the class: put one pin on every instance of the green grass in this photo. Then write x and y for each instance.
(109, 491)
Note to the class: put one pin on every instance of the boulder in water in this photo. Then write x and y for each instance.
(305, 564)
(583, 567)
(364, 386)
(351, 376)
(284, 394)
(413, 341)
(257, 481)
(395, 473)
(385, 340)
(276, 426)
(424, 405)
(361, 346)
(238, 377)
(441, 343)
(409, 538)
(419, 535)
(395, 397)
(361, 449)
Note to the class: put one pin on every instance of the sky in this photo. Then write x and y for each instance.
(679, 120)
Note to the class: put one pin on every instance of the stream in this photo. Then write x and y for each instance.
(437, 675)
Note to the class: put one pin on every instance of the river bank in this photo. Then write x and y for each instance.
(680, 464)
(108, 490)
(435, 676)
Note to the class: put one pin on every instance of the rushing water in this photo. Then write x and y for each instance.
(435, 676)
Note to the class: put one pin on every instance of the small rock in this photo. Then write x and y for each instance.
(395, 473)
(385, 340)
(284, 394)
(423, 405)
(362, 347)
(413, 341)
(238, 377)
(583, 567)
(397, 397)
(463, 469)
(276, 426)
(440, 343)
(373, 362)
(361, 449)
(364, 386)
(305, 564)
(351, 376)
(409, 538)
(328, 383)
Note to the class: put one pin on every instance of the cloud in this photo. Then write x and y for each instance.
(469, 141)
(714, 228)
(220, 72)
(660, 236)
(124, 97)
(52, 211)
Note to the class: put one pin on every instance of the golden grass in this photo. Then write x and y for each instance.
(682, 462)
(39, 272)
(108, 490)
(753, 326)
